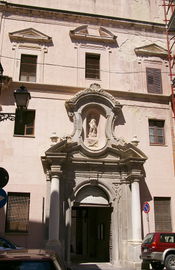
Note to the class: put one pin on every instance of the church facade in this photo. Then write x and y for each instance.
(96, 140)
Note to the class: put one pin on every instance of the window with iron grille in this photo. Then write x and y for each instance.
(17, 216)
(156, 132)
(24, 122)
(154, 80)
(92, 68)
(162, 213)
(28, 68)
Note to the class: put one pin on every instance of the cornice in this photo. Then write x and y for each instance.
(72, 90)
(54, 14)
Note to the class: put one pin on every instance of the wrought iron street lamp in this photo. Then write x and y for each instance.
(22, 97)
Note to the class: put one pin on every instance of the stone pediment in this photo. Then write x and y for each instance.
(99, 34)
(115, 153)
(30, 35)
(151, 50)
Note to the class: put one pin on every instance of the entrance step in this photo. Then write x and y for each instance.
(97, 266)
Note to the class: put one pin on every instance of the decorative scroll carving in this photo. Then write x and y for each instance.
(117, 189)
(94, 88)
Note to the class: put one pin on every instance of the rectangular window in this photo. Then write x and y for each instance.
(28, 68)
(156, 132)
(162, 214)
(24, 122)
(92, 68)
(17, 217)
(154, 80)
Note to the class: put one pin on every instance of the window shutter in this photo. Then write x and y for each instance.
(162, 214)
(154, 80)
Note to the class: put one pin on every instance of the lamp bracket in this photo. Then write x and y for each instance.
(5, 116)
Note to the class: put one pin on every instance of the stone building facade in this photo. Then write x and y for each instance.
(95, 142)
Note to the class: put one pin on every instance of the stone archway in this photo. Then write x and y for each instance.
(90, 225)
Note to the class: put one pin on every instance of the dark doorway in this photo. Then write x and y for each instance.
(90, 234)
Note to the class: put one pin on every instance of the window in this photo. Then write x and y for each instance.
(162, 214)
(154, 80)
(156, 132)
(28, 68)
(24, 122)
(92, 69)
(17, 217)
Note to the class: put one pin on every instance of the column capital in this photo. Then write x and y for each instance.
(135, 176)
(55, 170)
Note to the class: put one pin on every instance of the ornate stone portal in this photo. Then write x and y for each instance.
(99, 176)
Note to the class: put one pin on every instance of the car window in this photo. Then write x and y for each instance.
(4, 243)
(148, 238)
(167, 238)
(27, 265)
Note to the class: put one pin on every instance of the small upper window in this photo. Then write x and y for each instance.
(156, 132)
(28, 68)
(24, 122)
(154, 80)
(92, 69)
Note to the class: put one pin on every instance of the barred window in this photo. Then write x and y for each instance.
(92, 69)
(17, 216)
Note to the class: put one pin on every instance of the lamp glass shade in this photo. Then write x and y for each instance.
(22, 97)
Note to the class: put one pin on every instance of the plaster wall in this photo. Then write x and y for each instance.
(63, 62)
(63, 75)
(20, 154)
(144, 10)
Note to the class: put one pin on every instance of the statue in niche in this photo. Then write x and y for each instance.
(92, 140)
(92, 128)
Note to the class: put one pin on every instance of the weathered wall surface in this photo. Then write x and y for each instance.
(144, 10)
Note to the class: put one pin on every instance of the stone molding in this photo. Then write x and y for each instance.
(101, 35)
(152, 50)
(30, 35)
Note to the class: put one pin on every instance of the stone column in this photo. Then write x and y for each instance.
(54, 217)
(136, 211)
(135, 242)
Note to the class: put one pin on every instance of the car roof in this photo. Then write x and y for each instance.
(27, 254)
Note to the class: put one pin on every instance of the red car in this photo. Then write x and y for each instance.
(158, 249)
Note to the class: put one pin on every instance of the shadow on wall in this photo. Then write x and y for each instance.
(145, 196)
(35, 238)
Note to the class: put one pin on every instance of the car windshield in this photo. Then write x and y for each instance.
(6, 244)
(27, 265)
(148, 238)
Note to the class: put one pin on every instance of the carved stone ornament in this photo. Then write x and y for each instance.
(118, 191)
(94, 88)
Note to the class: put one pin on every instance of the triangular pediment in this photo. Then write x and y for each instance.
(151, 50)
(30, 35)
(100, 34)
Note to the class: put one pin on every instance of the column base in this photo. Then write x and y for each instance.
(134, 251)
